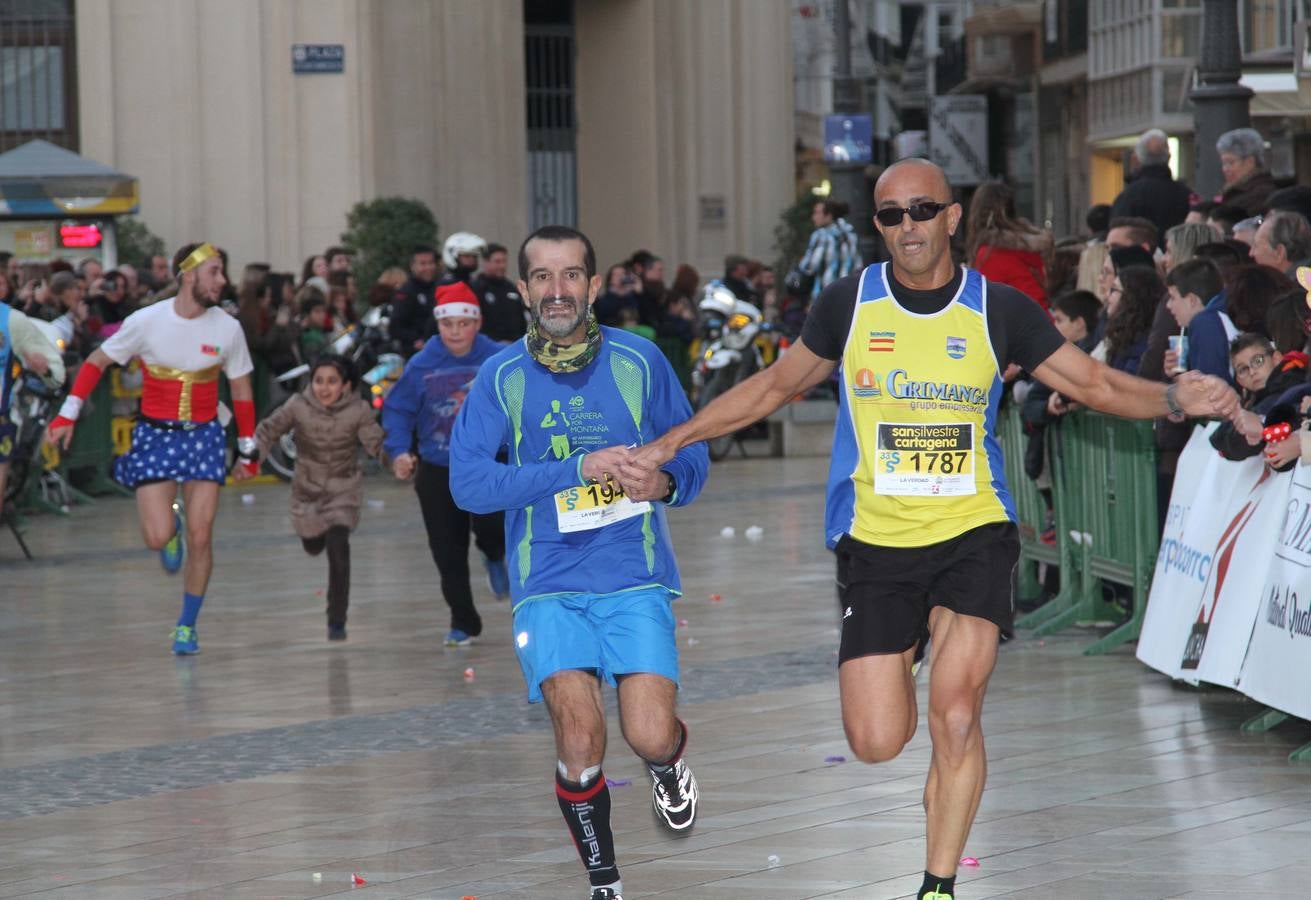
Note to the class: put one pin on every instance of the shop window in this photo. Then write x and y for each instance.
(38, 74)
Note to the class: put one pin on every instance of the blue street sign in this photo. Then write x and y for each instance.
(314, 59)
(848, 139)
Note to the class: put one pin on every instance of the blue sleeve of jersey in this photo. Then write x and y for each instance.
(1208, 348)
(480, 484)
(399, 413)
(669, 407)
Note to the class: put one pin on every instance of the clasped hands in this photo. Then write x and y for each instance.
(637, 469)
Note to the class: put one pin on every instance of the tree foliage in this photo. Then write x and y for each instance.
(136, 242)
(792, 232)
(383, 232)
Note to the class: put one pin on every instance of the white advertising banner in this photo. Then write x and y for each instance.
(1279, 657)
(1183, 565)
(1222, 627)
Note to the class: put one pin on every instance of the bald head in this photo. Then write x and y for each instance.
(915, 215)
(923, 171)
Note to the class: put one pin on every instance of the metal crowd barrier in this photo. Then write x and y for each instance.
(1103, 473)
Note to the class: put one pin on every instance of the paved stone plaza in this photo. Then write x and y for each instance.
(273, 756)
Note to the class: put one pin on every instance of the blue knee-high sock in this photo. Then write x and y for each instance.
(190, 609)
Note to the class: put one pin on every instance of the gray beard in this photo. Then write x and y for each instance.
(555, 328)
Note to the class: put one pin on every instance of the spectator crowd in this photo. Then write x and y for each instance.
(289, 318)
(1165, 282)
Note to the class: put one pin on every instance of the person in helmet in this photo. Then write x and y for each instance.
(412, 320)
(460, 255)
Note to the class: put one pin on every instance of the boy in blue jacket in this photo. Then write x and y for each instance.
(422, 407)
(592, 568)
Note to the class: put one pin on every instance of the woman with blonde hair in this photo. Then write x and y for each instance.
(1182, 241)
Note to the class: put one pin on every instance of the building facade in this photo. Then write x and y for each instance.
(660, 124)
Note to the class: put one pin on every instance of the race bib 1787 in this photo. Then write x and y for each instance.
(925, 460)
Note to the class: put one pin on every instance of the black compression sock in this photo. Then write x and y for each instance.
(936, 884)
(586, 811)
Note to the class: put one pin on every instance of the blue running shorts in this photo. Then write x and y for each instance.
(609, 634)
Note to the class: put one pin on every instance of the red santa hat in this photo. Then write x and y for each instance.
(456, 299)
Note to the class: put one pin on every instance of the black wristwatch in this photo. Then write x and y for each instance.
(673, 488)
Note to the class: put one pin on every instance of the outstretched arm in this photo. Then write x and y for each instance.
(797, 371)
(60, 431)
(276, 424)
(1076, 374)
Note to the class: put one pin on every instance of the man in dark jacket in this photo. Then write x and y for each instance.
(411, 309)
(1154, 194)
(736, 278)
(502, 307)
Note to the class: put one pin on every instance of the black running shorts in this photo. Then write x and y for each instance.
(886, 592)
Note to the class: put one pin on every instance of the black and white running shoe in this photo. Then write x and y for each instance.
(604, 893)
(674, 796)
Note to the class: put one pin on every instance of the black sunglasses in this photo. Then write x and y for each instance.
(891, 216)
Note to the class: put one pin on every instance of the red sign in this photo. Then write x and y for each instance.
(79, 236)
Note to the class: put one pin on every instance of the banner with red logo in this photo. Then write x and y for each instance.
(1183, 564)
(1221, 629)
(1279, 656)
(1215, 552)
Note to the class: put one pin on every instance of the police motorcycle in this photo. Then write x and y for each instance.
(368, 345)
(731, 350)
(32, 406)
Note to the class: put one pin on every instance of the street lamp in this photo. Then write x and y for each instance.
(1220, 103)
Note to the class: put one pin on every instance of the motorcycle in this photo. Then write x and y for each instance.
(370, 349)
(32, 405)
(732, 331)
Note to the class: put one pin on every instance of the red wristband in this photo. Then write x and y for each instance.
(87, 378)
(244, 411)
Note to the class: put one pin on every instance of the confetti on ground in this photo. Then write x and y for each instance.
(682, 623)
(716, 598)
(754, 533)
(835, 759)
(618, 782)
(468, 674)
(727, 531)
(968, 861)
(317, 878)
(357, 879)
(692, 642)
(774, 861)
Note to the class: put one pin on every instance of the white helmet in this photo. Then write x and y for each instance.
(459, 244)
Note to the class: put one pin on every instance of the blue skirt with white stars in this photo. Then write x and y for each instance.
(186, 452)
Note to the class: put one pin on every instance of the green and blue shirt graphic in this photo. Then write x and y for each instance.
(547, 422)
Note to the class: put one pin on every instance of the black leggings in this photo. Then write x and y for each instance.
(448, 529)
(337, 541)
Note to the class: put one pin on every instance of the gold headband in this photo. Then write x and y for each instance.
(197, 256)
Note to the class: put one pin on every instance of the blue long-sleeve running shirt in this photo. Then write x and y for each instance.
(424, 401)
(627, 396)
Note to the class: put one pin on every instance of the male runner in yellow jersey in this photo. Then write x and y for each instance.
(918, 510)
